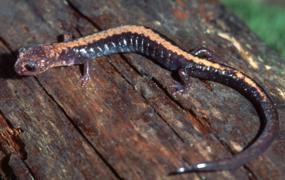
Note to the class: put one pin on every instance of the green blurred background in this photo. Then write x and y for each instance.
(265, 17)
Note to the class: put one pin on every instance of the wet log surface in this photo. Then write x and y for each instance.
(126, 124)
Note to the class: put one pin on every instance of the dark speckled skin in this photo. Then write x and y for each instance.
(141, 40)
(124, 43)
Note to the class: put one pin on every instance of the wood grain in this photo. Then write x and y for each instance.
(126, 124)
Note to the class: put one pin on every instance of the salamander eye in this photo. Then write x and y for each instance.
(31, 66)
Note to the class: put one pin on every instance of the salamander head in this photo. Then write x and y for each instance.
(33, 60)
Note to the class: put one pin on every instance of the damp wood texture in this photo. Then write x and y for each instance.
(126, 124)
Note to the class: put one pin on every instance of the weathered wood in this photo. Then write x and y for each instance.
(125, 123)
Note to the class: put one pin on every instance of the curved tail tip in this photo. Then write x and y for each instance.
(178, 171)
(181, 170)
(189, 169)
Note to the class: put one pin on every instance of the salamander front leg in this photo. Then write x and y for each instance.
(86, 74)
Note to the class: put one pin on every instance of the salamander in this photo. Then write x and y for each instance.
(151, 44)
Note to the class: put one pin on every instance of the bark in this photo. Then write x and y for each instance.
(126, 124)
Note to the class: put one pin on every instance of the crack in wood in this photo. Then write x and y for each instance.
(78, 12)
(6, 44)
(11, 142)
(12, 146)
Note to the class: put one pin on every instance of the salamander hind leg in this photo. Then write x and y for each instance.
(184, 81)
(209, 55)
(204, 53)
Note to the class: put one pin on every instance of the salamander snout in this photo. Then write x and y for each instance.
(26, 68)
(31, 61)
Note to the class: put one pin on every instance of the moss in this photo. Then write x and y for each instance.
(266, 20)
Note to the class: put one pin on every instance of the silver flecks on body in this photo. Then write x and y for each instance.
(181, 170)
(201, 165)
(106, 47)
(203, 68)
(167, 56)
(113, 44)
(162, 53)
(125, 42)
(131, 41)
(136, 43)
(99, 48)
(92, 50)
(147, 49)
(142, 48)
(120, 46)
(83, 51)
(76, 50)
(100, 51)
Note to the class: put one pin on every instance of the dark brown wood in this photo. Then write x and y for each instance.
(126, 124)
